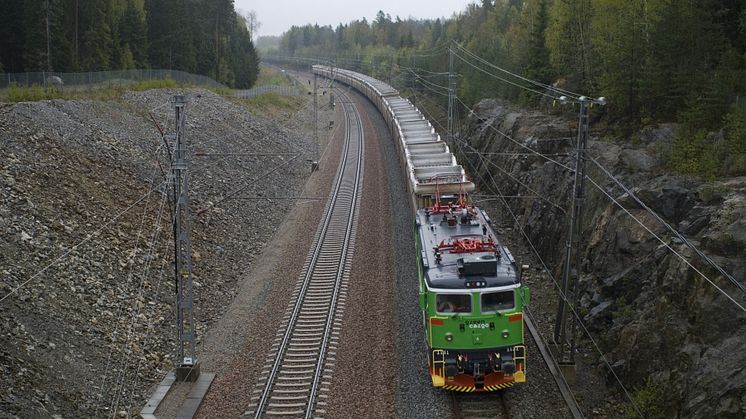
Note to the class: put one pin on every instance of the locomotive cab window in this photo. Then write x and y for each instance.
(453, 303)
(497, 301)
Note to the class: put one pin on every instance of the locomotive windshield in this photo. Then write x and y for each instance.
(496, 301)
(453, 303)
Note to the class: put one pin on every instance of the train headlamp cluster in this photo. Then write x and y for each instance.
(505, 334)
(475, 284)
(449, 337)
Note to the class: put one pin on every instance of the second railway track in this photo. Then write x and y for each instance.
(298, 370)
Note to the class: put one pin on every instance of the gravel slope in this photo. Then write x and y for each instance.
(94, 331)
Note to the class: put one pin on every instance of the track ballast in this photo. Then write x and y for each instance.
(298, 370)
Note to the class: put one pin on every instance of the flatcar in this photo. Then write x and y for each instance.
(470, 289)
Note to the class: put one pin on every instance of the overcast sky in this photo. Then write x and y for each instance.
(277, 16)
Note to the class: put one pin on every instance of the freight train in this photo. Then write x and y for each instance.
(470, 289)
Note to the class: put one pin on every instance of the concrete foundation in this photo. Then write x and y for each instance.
(188, 372)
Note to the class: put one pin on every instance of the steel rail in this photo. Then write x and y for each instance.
(331, 249)
(350, 222)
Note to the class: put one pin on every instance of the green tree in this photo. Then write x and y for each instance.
(12, 35)
(538, 67)
(98, 44)
(133, 33)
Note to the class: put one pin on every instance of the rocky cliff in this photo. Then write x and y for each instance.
(662, 325)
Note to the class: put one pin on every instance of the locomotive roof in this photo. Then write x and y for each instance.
(488, 264)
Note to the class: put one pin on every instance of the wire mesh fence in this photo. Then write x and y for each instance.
(261, 90)
(47, 78)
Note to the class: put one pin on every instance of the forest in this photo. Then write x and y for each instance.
(656, 61)
(204, 37)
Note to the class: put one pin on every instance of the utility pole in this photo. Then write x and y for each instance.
(391, 65)
(315, 164)
(414, 92)
(451, 93)
(573, 238)
(331, 84)
(187, 366)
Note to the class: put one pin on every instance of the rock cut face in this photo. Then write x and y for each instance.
(655, 317)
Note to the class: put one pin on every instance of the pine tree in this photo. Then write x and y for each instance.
(98, 44)
(538, 55)
(12, 33)
(35, 41)
(133, 32)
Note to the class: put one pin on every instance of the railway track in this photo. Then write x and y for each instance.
(479, 406)
(298, 370)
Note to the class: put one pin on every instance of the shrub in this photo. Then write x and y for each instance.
(18, 93)
(649, 400)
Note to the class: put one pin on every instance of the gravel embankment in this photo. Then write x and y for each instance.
(92, 333)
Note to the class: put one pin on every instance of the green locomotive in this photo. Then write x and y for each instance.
(472, 299)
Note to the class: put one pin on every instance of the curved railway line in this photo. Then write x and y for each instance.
(298, 370)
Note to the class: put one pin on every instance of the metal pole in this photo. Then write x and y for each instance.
(574, 227)
(315, 119)
(186, 357)
(391, 65)
(580, 198)
(450, 94)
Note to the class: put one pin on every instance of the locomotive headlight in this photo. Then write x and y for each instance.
(505, 334)
(449, 337)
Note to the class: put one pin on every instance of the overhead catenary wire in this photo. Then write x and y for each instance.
(511, 139)
(130, 272)
(537, 195)
(673, 231)
(729, 297)
(668, 246)
(534, 82)
(520, 86)
(150, 321)
(427, 82)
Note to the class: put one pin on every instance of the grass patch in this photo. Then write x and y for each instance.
(167, 83)
(34, 93)
(110, 90)
(273, 103)
(271, 76)
(649, 399)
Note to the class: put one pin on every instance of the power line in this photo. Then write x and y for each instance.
(490, 162)
(740, 306)
(669, 228)
(534, 82)
(503, 79)
(133, 317)
(683, 259)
